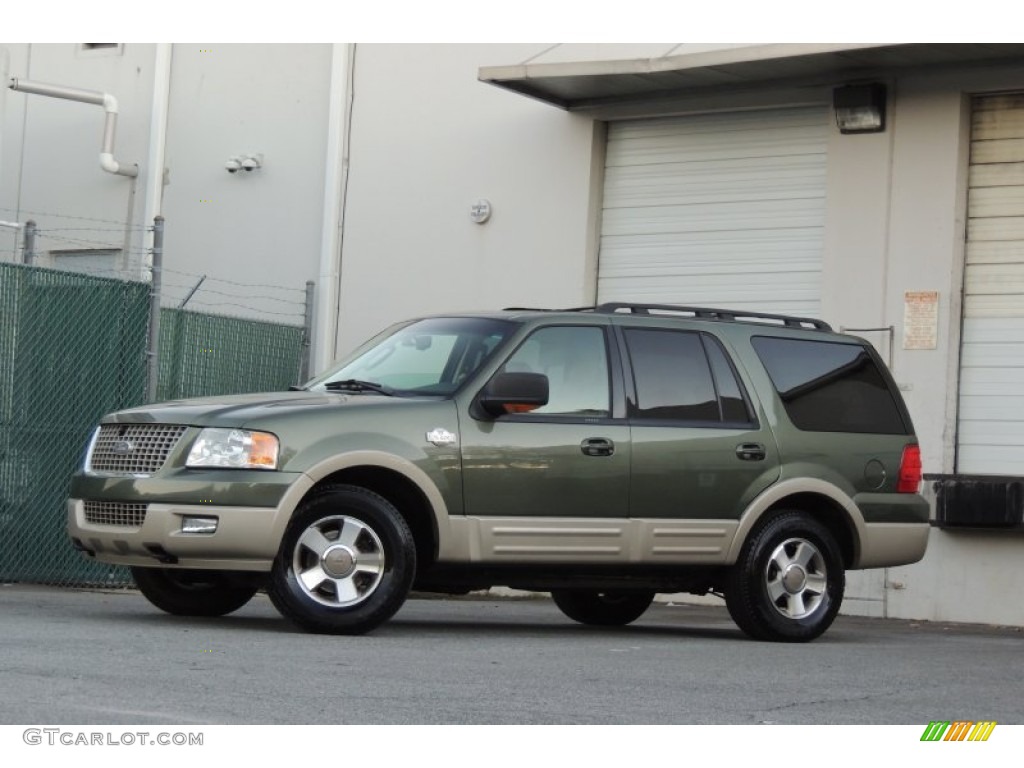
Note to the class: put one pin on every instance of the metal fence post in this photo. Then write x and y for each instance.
(154, 308)
(29, 243)
(307, 332)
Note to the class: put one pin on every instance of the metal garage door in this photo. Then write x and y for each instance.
(991, 430)
(723, 209)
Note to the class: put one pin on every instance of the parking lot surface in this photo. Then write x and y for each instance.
(108, 657)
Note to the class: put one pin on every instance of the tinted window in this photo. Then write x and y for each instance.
(672, 376)
(734, 405)
(830, 387)
(575, 360)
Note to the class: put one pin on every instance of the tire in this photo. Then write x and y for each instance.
(346, 563)
(614, 608)
(788, 582)
(186, 592)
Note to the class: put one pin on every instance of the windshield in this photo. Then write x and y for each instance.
(426, 357)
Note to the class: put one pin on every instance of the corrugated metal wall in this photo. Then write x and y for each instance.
(724, 209)
(991, 428)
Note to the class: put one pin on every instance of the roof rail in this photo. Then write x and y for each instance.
(548, 309)
(705, 313)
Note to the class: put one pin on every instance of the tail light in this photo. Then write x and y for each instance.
(909, 480)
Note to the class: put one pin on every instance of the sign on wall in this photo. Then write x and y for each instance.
(921, 320)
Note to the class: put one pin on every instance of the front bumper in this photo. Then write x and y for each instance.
(247, 536)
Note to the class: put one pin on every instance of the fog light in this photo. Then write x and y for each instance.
(200, 525)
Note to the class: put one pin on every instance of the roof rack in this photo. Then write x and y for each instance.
(701, 313)
(705, 313)
(548, 309)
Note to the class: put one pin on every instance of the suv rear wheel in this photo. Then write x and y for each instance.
(614, 608)
(346, 563)
(788, 582)
(185, 592)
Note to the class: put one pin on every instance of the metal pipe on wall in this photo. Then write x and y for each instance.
(105, 100)
(333, 217)
(158, 133)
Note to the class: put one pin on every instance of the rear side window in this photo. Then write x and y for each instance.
(830, 387)
(682, 376)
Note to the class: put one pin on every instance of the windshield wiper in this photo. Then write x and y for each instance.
(358, 385)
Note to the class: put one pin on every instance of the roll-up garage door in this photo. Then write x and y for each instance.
(991, 430)
(721, 210)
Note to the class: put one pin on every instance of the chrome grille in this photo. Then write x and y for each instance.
(133, 449)
(115, 513)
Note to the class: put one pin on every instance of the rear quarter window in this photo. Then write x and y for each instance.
(830, 387)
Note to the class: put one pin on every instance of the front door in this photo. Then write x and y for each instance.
(567, 459)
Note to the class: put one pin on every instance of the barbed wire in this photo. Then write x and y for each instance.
(203, 291)
(195, 303)
(168, 270)
(133, 227)
(174, 299)
(174, 292)
(248, 296)
(45, 234)
(114, 273)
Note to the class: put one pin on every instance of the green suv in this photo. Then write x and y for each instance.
(604, 454)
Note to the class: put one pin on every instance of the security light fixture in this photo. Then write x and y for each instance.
(860, 108)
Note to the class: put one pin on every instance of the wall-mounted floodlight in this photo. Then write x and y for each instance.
(860, 108)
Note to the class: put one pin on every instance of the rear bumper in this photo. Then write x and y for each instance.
(887, 544)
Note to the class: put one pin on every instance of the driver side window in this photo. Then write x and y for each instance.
(575, 360)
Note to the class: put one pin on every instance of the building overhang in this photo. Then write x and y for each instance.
(590, 85)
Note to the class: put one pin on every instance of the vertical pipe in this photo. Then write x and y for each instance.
(307, 332)
(154, 307)
(29, 244)
(332, 215)
(154, 189)
(126, 244)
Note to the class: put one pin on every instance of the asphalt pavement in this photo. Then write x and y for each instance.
(108, 657)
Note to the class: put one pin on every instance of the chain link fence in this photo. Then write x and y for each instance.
(202, 354)
(74, 346)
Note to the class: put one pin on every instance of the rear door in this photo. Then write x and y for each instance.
(698, 449)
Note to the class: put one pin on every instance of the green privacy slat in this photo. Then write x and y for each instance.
(72, 348)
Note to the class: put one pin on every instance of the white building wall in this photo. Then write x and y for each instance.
(50, 170)
(256, 236)
(427, 141)
(260, 227)
(965, 576)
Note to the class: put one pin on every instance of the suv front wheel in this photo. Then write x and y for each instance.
(346, 563)
(788, 582)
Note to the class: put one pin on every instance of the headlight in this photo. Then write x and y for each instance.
(234, 449)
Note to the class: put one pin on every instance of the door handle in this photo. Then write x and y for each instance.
(597, 446)
(751, 452)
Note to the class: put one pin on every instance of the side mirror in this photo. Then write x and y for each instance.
(509, 392)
